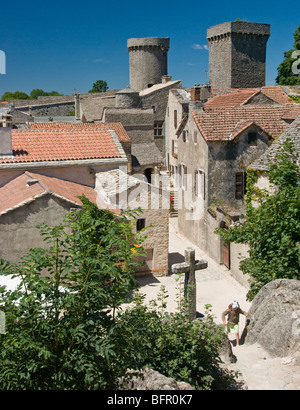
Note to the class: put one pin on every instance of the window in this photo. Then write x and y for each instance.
(184, 176)
(252, 138)
(240, 185)
(199, 185)
(140, 224)
(195, 137)
(184, 136)
(158, 129)
(175, 118)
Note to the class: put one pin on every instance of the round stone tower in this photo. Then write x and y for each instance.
(148, 61)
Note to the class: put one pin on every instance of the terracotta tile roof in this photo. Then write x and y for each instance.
(59, 144)
(29, 186)
(234, 97)
(116, 126)
(225, 124)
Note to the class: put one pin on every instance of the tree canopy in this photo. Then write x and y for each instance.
(272, 230)
(100, 86)
(34, 94)
(289, 69)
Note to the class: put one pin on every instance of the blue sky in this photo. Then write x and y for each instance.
(67, 45)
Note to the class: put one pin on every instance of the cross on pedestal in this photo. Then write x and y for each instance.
(189, 268)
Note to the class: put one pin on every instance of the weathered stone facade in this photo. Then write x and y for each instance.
(148, 61)
(209, 148)
(131, 192)
(18, 228)
(237, 54)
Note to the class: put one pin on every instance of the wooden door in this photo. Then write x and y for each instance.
(226, 254)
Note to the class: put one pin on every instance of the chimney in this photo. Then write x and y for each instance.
(165, 79)
(195, 93)
(5, 142)
(200, 93)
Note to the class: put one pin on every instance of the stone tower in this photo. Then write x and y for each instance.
(237, 54)
(148, 61)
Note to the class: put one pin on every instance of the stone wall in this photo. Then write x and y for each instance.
(18, 232)
(49, 109)
(228, 158)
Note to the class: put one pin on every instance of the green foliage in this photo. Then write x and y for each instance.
(66, 330)
(58, 326)
(173, 345)
(37, 92)
(17, 95)
(285, 73)
(295, 98)
(272, 230)
(100, 86)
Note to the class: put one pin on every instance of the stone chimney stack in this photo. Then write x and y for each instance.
(195, 93)
(200, 93)
(166, 78)
(5, 142)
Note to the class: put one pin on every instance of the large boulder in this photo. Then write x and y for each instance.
(275, 318)
(149, 379)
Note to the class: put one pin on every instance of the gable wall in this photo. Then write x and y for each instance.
(18, 232)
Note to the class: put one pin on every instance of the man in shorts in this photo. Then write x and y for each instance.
(233, 317)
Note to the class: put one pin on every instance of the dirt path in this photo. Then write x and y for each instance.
(216, 286)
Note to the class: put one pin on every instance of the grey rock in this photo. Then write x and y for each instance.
(149, 379)
(275, 318)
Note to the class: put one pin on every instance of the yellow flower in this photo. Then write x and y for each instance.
(133, 250)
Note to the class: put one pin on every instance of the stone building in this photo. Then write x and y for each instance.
(43, 170)
(237, 54)
(118, 189)
(29, 199)
(209, 147)
(261, 164)
(140, 107)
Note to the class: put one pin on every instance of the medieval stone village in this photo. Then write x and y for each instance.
(181, 154)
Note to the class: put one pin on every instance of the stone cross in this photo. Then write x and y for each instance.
(189, 268)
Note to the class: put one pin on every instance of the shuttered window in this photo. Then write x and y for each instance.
(239, 185)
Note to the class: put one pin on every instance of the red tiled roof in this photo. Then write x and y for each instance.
(116, 126)
(236, 97)
(29, 186)
(226, 123)
(37, 145)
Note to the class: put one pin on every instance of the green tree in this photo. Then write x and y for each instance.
(272, 230)
(291, 63)
(99, 86)
(58, 327)
(17, 95)
(38, 92)
(66, 330)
